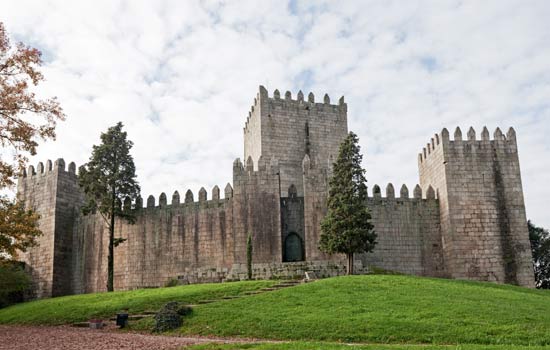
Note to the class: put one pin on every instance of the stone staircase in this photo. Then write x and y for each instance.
(280, 285)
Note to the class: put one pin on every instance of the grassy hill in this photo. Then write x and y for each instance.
(78, 308)
(379, 309)
(384, 309)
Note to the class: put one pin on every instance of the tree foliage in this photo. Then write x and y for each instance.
(18, 228)
(540, 247)
(347, 227)
(24, 118)
(108, 179)
(14, 281)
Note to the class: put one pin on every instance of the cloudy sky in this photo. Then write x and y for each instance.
(182, 75)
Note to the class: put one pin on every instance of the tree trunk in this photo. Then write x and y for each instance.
(350, 264)
(111, 258)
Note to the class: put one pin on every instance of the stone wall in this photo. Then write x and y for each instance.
(296, 270)
(316, 177)
(484, 226)
(165, 241)
(192, 241)
(408, 230)
(38, 190)
(252, 132)
(256, 210)
(67, 209)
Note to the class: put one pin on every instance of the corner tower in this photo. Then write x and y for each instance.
(483, 221)
(54, 194)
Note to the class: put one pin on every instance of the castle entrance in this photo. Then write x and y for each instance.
(294, 248)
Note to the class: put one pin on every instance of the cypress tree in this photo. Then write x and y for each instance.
(249, 255)
(347, 227)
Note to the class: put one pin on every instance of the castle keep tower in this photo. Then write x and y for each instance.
(286, 130)
(483, 222)
(292, 132)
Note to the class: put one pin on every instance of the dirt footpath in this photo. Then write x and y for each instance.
(64, 337)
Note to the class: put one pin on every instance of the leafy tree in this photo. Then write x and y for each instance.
(347, 227)
(249, 256)
(23, 117)
(540, 247)
(18, 228)
(108, 179)
(14, 282)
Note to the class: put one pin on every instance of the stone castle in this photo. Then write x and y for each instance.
(466, 219)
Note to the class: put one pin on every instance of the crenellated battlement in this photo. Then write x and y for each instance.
(418, 194)
(41, 170)
(189, 200)
(262, 167)
(59, 167)
(443, 139)
(287, 102)
(299, 100)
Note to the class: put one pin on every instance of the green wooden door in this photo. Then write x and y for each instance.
(294, 250)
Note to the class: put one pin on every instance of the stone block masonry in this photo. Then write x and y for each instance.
(53, 192)
(483, 220)
(409, 239)
(286, 129)
(466, 219)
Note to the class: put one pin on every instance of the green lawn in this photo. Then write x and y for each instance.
(77, 308)
(384, 309)
(403, 312)
(333, 346)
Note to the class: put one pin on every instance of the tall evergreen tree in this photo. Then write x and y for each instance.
(109, 179)
(249, 255)
(347, 227)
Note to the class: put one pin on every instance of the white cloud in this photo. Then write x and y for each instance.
(182, 76)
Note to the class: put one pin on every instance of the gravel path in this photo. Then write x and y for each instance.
(64, 337)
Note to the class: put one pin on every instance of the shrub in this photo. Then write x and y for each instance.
(170, 316)
(184, 310)
(172, 283)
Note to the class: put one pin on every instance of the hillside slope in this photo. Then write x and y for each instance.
(384, 309)
(77, 308)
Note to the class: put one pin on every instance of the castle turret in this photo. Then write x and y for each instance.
(52, 191)
(483, 221)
